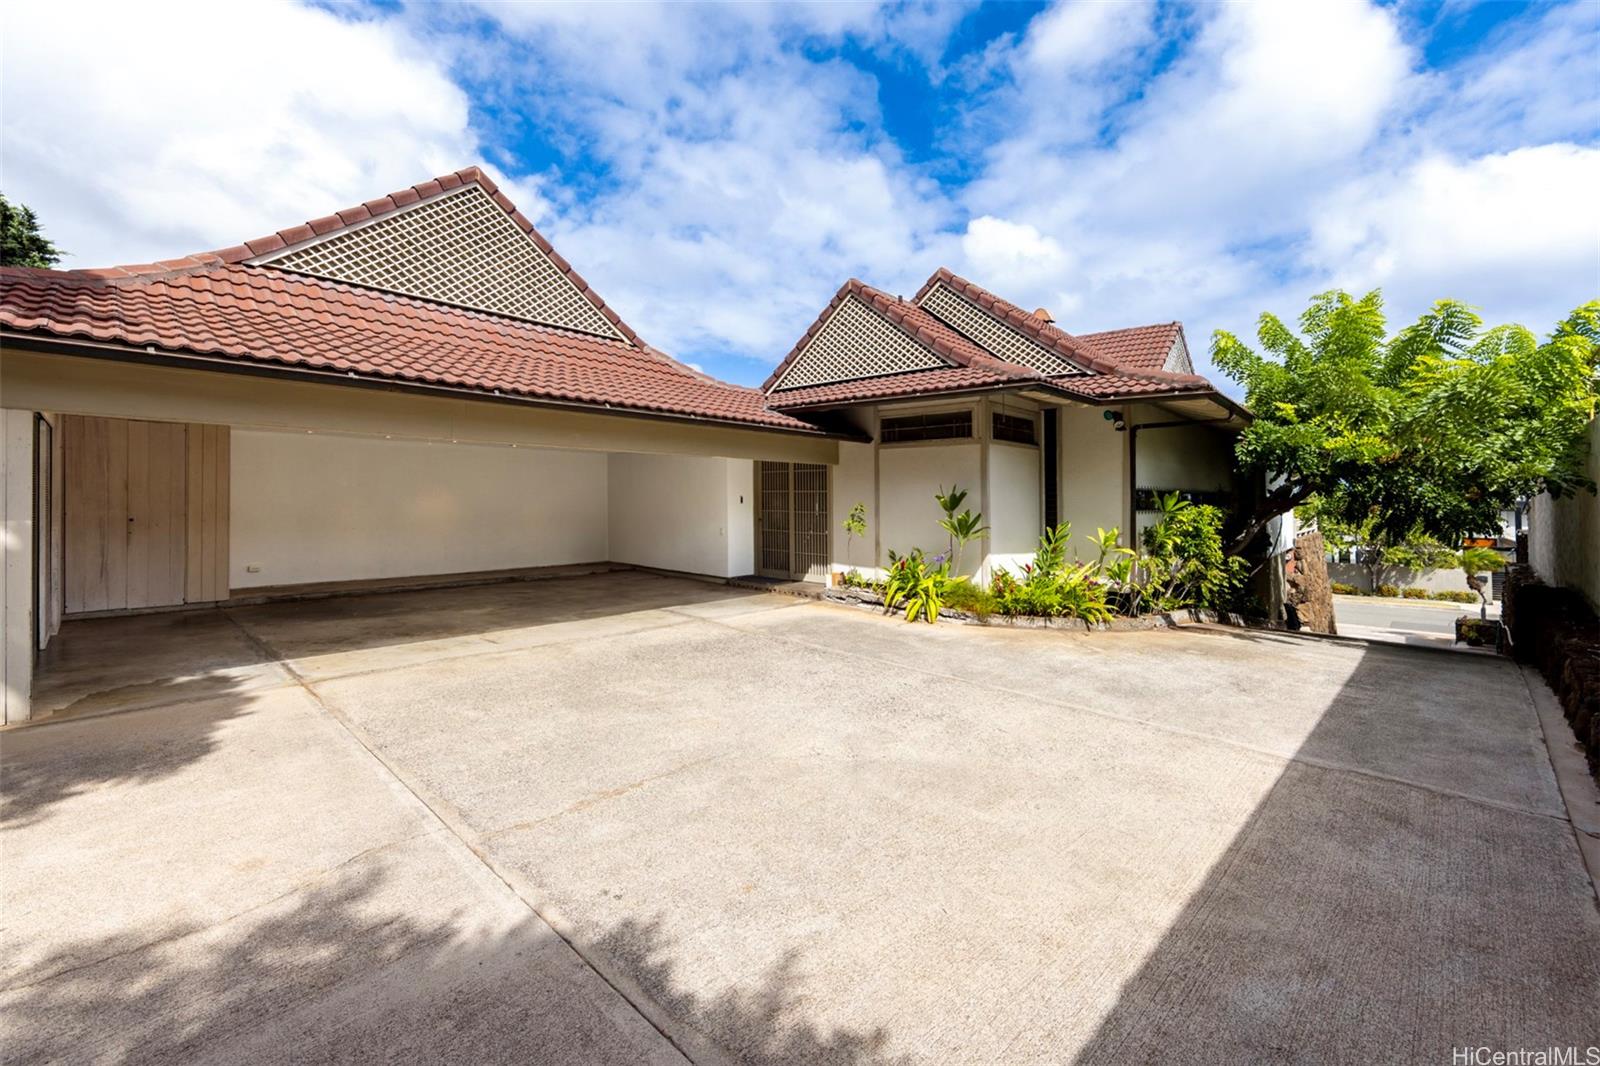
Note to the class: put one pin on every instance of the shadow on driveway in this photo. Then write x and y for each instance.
(1355, 918)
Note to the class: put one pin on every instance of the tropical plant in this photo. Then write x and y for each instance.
(917, 582)
(22, 243)
(1185, 562)
(1052, 554)
(963, 528)
(855, 524)
(1433, 431)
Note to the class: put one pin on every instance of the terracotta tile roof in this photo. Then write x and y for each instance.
(383, 205)
(270, 317)
(1048, 334)
(1138, 348)
(913, 383)
(916, 323)
(1108, 376)
(1119, 385)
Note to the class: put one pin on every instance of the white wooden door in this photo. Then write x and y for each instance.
(125, 494)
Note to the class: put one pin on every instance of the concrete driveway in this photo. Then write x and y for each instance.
(628, 818)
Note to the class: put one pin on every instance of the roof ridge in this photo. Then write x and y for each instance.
(1063, 343)
(895, 311)
(376, 208)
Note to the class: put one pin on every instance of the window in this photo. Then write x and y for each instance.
(1018, 429)
(946, 425)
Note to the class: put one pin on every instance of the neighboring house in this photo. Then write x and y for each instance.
(421, 386)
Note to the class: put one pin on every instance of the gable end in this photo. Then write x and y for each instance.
(853, 344)
(459, 247)
(982, 329)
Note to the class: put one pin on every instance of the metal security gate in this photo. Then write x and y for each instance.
(792, 520)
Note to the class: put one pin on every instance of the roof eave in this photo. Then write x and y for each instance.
(151, 355)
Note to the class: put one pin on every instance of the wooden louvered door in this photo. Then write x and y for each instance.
(792, 520)
(124, 513)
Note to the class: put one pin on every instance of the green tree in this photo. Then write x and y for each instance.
(21, 242)
(1431, 432)
(1380, 553)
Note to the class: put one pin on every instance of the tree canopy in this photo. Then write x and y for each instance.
(1431, 432)
(21, 242)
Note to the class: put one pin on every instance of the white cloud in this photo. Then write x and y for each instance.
(1509, 231)
(1289, 148)
(142, 133)
(745, 179)
(1011, 254)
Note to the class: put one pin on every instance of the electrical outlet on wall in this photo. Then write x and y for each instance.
(253, 568)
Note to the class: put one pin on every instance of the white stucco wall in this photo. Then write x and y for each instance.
(853, 483)
(1432, 580)
(1564, 535)
(1016, 513)
(688, 513)
(1093, 474)
(909, 477)
(327, 507)
(1185, 457)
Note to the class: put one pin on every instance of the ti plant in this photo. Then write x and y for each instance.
(963, 528)
(917, 582)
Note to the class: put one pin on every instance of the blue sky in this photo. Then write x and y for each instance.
(716, 172)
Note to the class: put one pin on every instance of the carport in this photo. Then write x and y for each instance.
(418, 390)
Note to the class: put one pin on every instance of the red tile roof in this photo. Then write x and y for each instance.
(383, 205)
(269, 317)
(1118, 369)
(1138, 348)
(912, 320)
(215, 304)
(934, 381)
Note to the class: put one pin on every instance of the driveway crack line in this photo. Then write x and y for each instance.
(1146, 723)
(692, 1047)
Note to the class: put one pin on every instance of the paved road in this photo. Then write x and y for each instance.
(1398, 614)
(571, 821)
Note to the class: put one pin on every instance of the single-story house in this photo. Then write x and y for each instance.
(422, 386)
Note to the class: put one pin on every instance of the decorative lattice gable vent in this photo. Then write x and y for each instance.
(853, 344)
(460, 248)
(984, 330)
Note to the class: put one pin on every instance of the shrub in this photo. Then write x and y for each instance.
(1345, 590)
(965, 596)
(1388, 590)
(1049, 588)
(1414, 593)
(919, 583)
(1186, 563)
(1454, 596)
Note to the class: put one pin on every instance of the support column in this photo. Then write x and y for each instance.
(16, 570)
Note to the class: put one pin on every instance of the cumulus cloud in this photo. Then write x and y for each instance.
(1500, 230)
(141, 132)
(717, 172)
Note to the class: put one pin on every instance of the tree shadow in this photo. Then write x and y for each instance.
(761, 1022)
(43, 765)
(347, 971)
(1354, 917)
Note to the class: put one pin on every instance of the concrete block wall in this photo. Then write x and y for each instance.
(1564, 535)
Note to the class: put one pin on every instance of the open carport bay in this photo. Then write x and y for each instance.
(621, 816)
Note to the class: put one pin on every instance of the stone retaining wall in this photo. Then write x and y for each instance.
(1554, 628)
